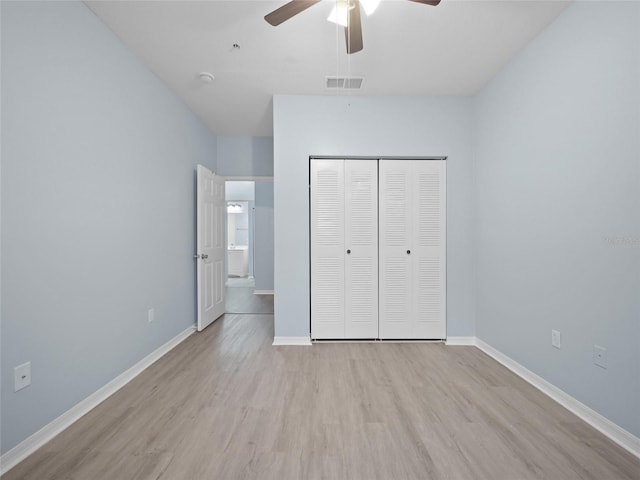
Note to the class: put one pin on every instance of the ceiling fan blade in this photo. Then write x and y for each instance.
(288, 10)
(427, 2)
(353, 30)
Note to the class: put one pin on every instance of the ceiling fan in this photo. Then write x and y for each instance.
(345, 13)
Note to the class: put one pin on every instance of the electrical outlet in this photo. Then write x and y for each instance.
(600, 356)
(151, 315)
(21, 376)
(556, 339)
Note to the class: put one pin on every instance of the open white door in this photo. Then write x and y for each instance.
(211, 246)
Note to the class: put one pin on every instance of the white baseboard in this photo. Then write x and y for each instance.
(25, 448)
(460, 341)
(619, 435)
(263, 292)
(304, 341)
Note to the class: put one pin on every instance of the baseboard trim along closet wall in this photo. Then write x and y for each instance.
(460, 341)
(619, 435)
(300, 341)
(29, 445)
(263, 292)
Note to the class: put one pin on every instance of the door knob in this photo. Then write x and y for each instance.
(204, 256)
(348, 251)
(408, 252)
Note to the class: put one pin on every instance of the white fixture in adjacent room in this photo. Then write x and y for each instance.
(234, 208)
(238, 260)
(240, 196)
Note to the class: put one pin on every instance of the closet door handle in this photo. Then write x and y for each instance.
(408, 252)
(348, 251)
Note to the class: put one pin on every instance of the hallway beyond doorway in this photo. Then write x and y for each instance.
(241, 282)
(241, 299)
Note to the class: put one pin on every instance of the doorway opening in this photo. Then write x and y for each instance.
(240, 198)
(246, 235)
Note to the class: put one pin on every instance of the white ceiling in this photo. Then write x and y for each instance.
(409, 49)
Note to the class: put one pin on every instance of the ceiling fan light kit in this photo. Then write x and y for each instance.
(340, 13)
(369, 6)
(345, 13)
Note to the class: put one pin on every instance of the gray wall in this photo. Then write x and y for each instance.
(367, 126)
(245, 156)
(239, 190)
(558, 194)
(98, 201)
(263, 268)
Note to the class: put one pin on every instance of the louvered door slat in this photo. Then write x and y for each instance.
(361, 241)
(412, 249)
(396, 205)
(429, 198)
(327, 249)
(395, 231)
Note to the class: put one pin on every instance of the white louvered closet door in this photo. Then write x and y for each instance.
(327, 249)
(361, 244)
(395, 233)
(412, 249)
(429, 249)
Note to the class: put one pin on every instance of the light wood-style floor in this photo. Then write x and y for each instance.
(226, 404)
(243, 300)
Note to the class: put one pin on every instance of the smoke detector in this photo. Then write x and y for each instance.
(206, 77)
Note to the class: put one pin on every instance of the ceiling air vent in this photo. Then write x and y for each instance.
(351, 83)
